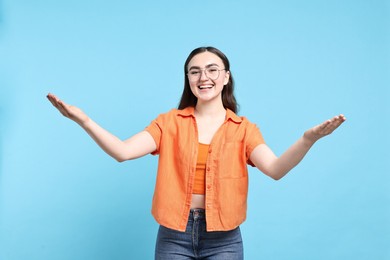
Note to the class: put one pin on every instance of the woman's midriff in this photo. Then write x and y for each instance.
(198, 201)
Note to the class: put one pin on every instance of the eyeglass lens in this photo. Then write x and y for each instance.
(195, 74)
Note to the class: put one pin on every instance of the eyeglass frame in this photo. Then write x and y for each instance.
(204, 69)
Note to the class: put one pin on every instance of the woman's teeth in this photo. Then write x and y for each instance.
(205, 86)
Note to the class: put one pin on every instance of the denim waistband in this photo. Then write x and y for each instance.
(197, 214)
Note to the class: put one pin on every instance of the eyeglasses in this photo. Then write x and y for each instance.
(211, 73)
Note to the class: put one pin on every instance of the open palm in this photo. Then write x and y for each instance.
(69, 111)
(325, 128)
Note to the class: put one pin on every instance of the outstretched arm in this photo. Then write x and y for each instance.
(134, 147)
(266, 161)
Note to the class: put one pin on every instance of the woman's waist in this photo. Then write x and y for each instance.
(198, 201)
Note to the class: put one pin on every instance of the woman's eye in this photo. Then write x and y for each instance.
(194, 72)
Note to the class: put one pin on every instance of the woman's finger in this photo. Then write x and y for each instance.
(54, 102)
(335, 123)
(64, 108)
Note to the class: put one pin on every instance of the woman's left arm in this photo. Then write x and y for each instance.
(277, 167)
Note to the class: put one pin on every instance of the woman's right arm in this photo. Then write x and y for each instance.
(136, 146)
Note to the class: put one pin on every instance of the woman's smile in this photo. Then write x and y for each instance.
(206, 86)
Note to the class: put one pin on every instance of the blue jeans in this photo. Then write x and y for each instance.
(197, 243)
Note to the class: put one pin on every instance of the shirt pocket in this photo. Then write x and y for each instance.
(233, 163)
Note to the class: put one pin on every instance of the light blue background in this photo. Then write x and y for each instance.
(296, 63)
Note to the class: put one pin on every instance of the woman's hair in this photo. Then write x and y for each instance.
(188, 99)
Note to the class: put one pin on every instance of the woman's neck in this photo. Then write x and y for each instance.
(209, 109)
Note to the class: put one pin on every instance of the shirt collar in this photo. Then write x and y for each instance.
(189, 111)
(232, 116)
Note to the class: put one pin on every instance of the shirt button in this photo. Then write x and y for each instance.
(210, 150)
(208, 186)
(208, 169)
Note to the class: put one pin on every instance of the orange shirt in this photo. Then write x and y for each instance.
(176, 137)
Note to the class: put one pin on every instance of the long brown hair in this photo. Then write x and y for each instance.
(188, 99)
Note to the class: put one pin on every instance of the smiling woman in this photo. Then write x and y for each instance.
(217, 61)
(204, 87)
(200, 197)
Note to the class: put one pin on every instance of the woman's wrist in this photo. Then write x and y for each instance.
(310, 138)
(85, 123)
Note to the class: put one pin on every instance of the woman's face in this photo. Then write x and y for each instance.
(207, 76)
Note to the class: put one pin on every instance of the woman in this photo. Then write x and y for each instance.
(203, 146)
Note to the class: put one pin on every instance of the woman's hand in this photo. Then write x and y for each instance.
(324, 129)
(71, 112)
(266, 161)
(136, 146)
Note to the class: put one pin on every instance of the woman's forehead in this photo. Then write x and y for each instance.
(205, 58)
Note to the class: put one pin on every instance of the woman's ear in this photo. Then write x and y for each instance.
(227, 77)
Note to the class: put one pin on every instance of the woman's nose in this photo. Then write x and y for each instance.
(203, 75)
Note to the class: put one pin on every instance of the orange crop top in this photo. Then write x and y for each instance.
(199, 182)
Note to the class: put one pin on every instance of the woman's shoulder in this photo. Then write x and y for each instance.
(177, 113)
(237, 118)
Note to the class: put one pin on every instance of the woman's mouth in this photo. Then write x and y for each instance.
(205, 86)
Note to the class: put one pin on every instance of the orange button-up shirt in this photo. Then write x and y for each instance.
(176, 137)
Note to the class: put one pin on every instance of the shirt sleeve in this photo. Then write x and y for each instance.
(155, 130)
(254, 138)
